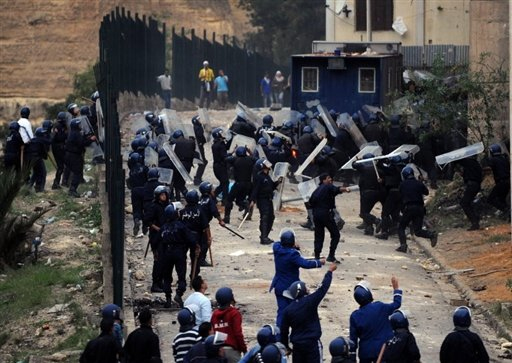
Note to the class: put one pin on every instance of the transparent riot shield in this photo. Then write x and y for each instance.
(403, 151)
(101, 121)
(310, 158)
(280, 170)
(459, 154)
(205, 119)
(241, 140)
(161, 140)
(318, 128)
(87, 130)
(177, 163)
(150, 157)
(346, 122)
(374, 149)
(369, 109)
(267, 137)
(248, 114)
(261, 152)
(286, 115)
(307, 188)
(165, 175)
(171, 120)
(329, 122)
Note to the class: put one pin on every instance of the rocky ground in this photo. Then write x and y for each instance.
(425, 275)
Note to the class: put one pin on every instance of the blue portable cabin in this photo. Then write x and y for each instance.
(343, 77)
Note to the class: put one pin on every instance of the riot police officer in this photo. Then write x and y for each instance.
(74, 159)
(208, 204)
(60, 135)
(472, 175)
(185, 150)
(500, 165)
(13, 145)
(268, 120)
(220, 168)
(241, 127)
(36, 152)
(136, 179)
(413, 209)
(201, 140)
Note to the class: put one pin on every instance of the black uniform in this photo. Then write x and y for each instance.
(402, 348)
(185, 150)
(74, 159)
(209, 207)
(60, 135)
(323, 203)
(262, 193)
(307, 144)
(241, 189)
(374, 132)
(104, 348)
(242, 127)
(500, 165)
(142, 346)
(154, 219)
(370, 191)
(12, 151)
(391, 206)
(425, 158)
(472, 175)
(35, 153)
(138, 178)
(201, 140)
(195, 219)
(220, 168)
(463, 346)
(177, 239)
(413, 209)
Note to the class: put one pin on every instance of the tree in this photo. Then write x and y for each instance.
(285, 27)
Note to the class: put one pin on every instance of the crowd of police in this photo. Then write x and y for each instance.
(174, 230)
(67, 138)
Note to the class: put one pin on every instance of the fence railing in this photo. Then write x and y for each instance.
(244, 67)
(132, 54)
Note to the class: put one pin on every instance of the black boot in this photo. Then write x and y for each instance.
(73, 193)
(136, 226)
(331, 258)
(383, 235)
(168, 301)
(56, 186)
(433, 239)
(402, 248)
(368, 230)
(178, 300)
(156, 288)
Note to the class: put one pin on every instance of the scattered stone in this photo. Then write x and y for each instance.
(427, 295)
(58, 357)
(359, 278)
(139, 275)
(81, 236)
(371, 259)
(458, 302)
(479, 287)
(404, 267)
(507, 345)
(58, 308)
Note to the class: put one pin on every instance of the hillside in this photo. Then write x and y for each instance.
(44, 43)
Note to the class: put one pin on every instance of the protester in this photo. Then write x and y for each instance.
(165, 84)
(142, 345)
(221, 86)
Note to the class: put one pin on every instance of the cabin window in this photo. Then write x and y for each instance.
(309, 79)
(366, 80)
(381, 14)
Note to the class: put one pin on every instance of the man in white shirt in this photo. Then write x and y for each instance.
(25, 125)
(165, 84)
(203, 305)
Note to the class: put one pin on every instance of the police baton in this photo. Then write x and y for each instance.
(211, 256)
(194, 269)
(243, 220)
(52, 160)
(375, 167)
(147, 249)
(235, 233)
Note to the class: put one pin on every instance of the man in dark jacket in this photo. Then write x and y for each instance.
(103, 348)
(241, 127)
(201, 140)
(302, 317)
(323, 203)
(35, 153)
(74, 159)
(220, 168)
(185, 150)
(59, 137)
(500, 164)
(142, 345)
(13, 145)
(472, 175)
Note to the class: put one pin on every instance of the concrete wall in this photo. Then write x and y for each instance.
(427, 21)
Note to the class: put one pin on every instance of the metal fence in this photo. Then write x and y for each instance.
(132, 53)
(244, 67)
(417, 56)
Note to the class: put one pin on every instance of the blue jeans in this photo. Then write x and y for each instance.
(166, 96)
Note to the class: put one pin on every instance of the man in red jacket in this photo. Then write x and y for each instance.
(227, 319)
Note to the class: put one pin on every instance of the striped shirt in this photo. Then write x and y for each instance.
(183, 342)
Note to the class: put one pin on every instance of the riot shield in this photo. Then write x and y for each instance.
(403, 151)
(274, 133)
(459, 154)
(101, 121)
(286, 115)
(205, 119)
(346, 122)
(267, 137)
(280, 170)
(261, 152)
(369, 109)
(162, 139)
(307, 188)
(165, 175)
(374, 149)
(241, 140)
(177, 163)
(150, 157)
(137, 122)
(87, 129)
(171, 121)
(328, 121)
(248, 114)
(318, 128)
(311, 156)
(417, 171)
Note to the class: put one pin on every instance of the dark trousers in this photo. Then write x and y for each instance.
(221, 173)
(324, 218)
(391, 210)
(368, 200)
(12, 161)
(166, 96)
(154, 241)
(59, 155)
(174, 257)
(282, 303)
(470, 192)
(266, 209)
(205, 95)
(239, 192)
(308, 352)
(201, 167)
(498, 195)
(75, 164)
(413, 213)
(38, 178)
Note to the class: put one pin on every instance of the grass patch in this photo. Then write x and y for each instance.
(4, 337)
(497, 238)
(83, 333)
(503, 311)
(32, 287)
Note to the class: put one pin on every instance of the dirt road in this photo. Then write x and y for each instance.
(247, 267)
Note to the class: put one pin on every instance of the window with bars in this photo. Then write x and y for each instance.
(381, 14)
(309, 79)
(366, 80)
